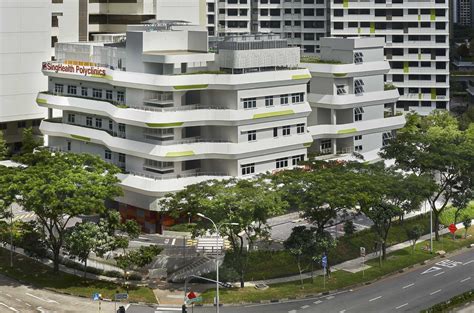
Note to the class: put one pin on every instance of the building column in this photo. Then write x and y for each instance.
(334, 145)
(50, 113)
(333, 117)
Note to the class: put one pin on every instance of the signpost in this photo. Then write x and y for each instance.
(324, 263)
(97, 297)
(362, 254)
(452, 229)
(192, 298)
(119, 297)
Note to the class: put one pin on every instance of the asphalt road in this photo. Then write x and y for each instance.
(406, 292)
(15, 297)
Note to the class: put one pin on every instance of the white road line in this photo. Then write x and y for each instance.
(342, 311)
(172, 242)
(292, 311)
(9, 307)
(41, 309)
(465, 279)
(294, 301)
(45, 300)
(27, 304)
(305, 307)
(468, 262)
(375, 298)
(318, 302)
(438, 274)
(401, 306)
(435, 292)
(167, 309)
(18, 300)
(8, 295)
(408, 286)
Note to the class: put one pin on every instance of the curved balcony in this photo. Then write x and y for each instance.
(181, 117)
(191, 81)
(348, 70)
(174, 152)
(357, 128)
(351, 100)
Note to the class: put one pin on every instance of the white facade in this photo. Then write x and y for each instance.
(352, 109)
(25, 41)
(172, 114)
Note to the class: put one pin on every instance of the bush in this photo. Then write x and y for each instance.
(349, 227)
(186, 227)
(135, 276)
(447, 217)
(116, 274)
(451, 303)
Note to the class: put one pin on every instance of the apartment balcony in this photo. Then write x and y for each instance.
(327, 131)
(348, 70)
(423, 97)
(351, 100)
(176, 151)
(347, 154)
(193, 115)
(185, 82)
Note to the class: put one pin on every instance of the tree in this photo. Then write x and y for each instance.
(466, 223)
(58, 187)
(467, 118)
(30, 141)
(297, 244)
(388, 194)
(414, 233)
(248, 203)
(471, 46)
(137, 258)
(320, 193)
(434, 147)
(349, 227)
(462, 51)
(3, 147)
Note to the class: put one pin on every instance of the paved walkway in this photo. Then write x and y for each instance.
(353, 266)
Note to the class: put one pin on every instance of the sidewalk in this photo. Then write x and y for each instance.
(353, 266)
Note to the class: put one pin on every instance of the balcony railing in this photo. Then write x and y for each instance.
(175, 176)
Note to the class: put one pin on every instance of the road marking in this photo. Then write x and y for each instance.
(27, 304)
(438, 274)
(318, 302)
(375, 298)
(45, 300)
(305, 307)
(468, 262)
(292, 311)
(18, 300)
(167, 309)
(293, 301)
(172, 242)
(167, 240)
(41, 309)
(465, 279)
(435, 292)
(9, 307)
(329, 297)
(408, 286)
(401, 306)
(432, 269)
(342, 311)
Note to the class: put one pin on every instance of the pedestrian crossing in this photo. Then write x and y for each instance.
(24, 216)
(194, 242)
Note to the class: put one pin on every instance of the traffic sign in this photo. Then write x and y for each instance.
(324, 261)
(121, 296)
(191, 295)
(96, 296)
(362, 251)
(194, 300)
(452, 228)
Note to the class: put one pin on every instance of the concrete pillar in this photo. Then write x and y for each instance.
(334, 145)
(50, 113)
(333, 117)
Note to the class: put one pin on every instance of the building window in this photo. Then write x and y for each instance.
(275, 131)
(3, 126)
(341, 90)
(386, 137)
(36, 123)
(120, 96)
(248, 169)
(111, 125)
(283, 99)
(300, 128)
(54, 40)
(72, 90)
(358, 148)
(286, 130)
(325, 144)
(98, 122)
(358, 57)
(97, 93)
(268, 101)
(121, 127)
(84, 92)
(108, 155)
(89, 121)
(68, 146)
(108, 94)
(297, 159)
(21, 124)
(358, 86)
(358, 137)
(121, 158)
(281, 163)
(252, 135)
(58, 88)
(250, 103)
(297, 97)
(358, 114)
(71, 118)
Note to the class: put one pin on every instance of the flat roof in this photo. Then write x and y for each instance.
(173, 52)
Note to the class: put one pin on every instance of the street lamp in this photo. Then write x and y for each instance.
(217, 261)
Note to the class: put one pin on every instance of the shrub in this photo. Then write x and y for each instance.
(349, 227)
(116, 274)
(186, 227)
(135, 276)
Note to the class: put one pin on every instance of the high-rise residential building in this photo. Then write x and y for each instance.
(170, 113)
(465, 13)
(352, 109)
(416, 35)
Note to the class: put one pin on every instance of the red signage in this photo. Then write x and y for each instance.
(452, 228)
(191, 295)
(74, 69)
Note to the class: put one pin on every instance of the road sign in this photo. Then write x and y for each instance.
(121, 296)
(191, 295)
(452, 228)
(194, 300)
(96, 296)
(324, 261)
(362, 251)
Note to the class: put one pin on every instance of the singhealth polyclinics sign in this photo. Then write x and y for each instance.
(86, 70)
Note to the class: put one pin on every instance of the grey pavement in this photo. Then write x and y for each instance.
(411, 291)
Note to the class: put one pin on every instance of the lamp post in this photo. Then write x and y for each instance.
(217, 261)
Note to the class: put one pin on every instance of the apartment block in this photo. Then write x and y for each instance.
(464, 12)
(170, 113)
(353, 110)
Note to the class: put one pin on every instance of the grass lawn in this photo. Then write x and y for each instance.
(42, 276)
(273, 264)
(340, 279)
(447, 217)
